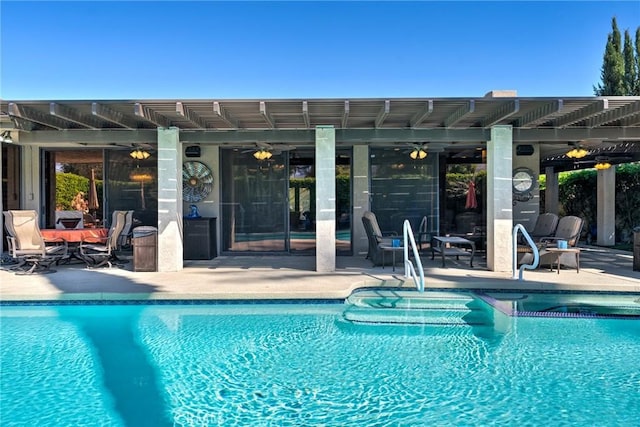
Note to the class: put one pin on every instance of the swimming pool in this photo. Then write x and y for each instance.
(307, 364)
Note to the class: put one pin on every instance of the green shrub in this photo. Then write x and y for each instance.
(578, 196)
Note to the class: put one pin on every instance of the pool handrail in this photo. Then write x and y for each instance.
(536, 253)
(409, 269)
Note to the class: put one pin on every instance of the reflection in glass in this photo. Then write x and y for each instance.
(404, 188)
(253, 202)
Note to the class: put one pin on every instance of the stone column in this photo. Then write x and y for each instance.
(170, 247)
(551, 194)
(361, 201)
(325, 199)
(606, 208)
(499, 199)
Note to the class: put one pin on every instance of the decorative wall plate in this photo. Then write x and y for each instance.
(197, 181)
(523, 180)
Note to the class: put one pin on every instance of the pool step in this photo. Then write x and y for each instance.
(413, 308)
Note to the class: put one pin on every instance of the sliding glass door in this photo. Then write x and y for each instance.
(254, 202)
(269, 205)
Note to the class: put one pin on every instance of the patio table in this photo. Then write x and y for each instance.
(449, 246)
(76, 235)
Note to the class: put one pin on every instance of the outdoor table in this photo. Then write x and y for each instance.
(393, 250)
(76, 235)
(559, 252)
(448, 246)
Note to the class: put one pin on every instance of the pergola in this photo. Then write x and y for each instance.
(606, 127)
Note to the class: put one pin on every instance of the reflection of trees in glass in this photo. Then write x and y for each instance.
(68, 185)
(82, 169)
(458, 178)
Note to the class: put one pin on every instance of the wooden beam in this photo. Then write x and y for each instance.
(421, 115)
(460, 113)
(109, 115)
(384, 112)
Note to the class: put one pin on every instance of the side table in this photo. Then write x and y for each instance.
(559, 252)
(393, 250)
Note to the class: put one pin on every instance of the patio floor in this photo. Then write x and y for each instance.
(293, 277)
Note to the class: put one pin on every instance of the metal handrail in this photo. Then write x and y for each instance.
(536, 253)
(409, 269)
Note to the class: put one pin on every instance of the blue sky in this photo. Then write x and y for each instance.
(238, 50)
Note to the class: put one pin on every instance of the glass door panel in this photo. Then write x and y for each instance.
(302, 201)
(343, 202)
(254, 202)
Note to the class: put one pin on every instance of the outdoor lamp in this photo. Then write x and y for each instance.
(262, 155)
(602, 163)
(139, 154)
(577, 153)
(418, 153)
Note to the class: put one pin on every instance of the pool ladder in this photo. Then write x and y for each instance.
(409, 268)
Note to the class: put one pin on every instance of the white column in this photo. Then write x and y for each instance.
(325, 199)
(170, 247)
(361, 200)
(499, 199)
(606, 208)
(551, 194)
(30, 194)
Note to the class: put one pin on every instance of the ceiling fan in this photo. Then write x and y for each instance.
(264, 151)
(417, 151)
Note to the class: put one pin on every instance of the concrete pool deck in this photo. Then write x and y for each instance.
(293, 277)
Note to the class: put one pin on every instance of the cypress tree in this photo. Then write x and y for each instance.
(630, 73)
(612, 72)
(615, 32)
(637, 62)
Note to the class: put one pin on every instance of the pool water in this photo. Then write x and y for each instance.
(306, 365)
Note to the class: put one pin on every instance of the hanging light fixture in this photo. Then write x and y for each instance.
(418, 153)
(262, 154)
(139, 154)
(602, 163)
(577, 152)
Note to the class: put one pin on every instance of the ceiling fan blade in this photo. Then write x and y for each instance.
(264, 145)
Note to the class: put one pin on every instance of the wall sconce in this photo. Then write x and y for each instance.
(577, 152)
(139, 154)
(6, 137)
(418, 154)
(262, 154)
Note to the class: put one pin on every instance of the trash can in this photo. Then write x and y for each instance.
(144, 240)
(636, 250)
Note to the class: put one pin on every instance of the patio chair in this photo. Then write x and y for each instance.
(423, 235)
(104, 253)
(569, 229)
(124, 240)
(375, 239)
(545, 226)
(27, 246)
(379, 237)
